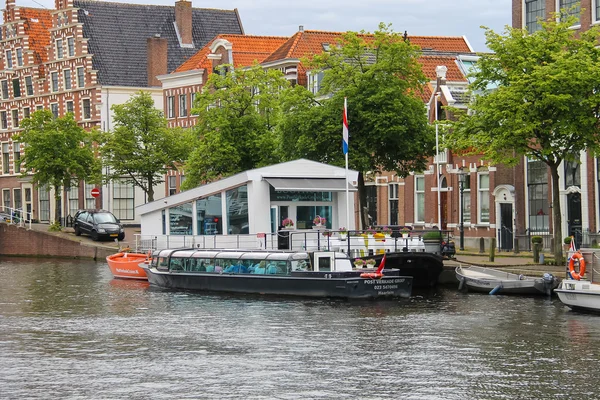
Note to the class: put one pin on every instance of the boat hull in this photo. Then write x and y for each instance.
(306, 284)
(488, 280)
(127, 265)
(424, 268)
(579, 295)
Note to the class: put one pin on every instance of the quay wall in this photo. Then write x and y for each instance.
(19, 241)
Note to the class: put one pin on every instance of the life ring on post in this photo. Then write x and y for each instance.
(577, 275)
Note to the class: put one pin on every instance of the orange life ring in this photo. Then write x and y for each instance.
(371, 275)
(577, 275)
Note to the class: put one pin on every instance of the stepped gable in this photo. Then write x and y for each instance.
(118, 33)
(246, 50)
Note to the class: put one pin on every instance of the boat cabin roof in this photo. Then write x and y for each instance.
(235, 254)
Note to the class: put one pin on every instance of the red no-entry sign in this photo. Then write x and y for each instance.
(95, 192)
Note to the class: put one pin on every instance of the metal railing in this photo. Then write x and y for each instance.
(15, 216)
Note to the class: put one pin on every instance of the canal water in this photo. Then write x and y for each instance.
(70, 331)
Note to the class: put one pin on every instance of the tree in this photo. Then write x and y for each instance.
(546, 105)
(141, 148)
(381, 78)
(57, 152)
(237, 115)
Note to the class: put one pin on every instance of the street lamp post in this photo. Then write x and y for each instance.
(461, 182)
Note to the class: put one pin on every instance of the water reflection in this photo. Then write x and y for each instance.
(74, 332)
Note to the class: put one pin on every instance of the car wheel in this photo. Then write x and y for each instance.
(94, 236)
(77, 231)
(121, 236)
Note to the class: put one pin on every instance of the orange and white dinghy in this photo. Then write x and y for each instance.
(125, 265)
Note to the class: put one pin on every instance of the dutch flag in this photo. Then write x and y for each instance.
(345, 128)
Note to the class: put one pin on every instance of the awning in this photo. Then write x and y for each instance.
(310, 184)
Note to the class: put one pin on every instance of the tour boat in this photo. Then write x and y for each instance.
(580, 295)
(274, 272)
(126, 265)
(494, 281)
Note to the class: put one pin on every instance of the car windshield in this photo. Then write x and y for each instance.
(104, 218)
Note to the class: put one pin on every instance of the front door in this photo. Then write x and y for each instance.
(574, 217)
(506, 226)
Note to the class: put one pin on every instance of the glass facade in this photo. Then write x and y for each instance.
(237, 210)
(537, 191)
(208, 215)
(306, 214)
(180, 219)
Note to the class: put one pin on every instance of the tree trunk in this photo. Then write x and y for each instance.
(556, 216)
(362, 203)
(57, 205)
(150, 191)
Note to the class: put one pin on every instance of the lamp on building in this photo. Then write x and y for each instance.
(461, 183)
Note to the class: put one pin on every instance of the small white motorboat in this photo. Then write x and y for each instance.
(580, 295)
(494, 281)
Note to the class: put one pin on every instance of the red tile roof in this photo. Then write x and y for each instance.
(429, 63)
(37, 26)
(246, 50)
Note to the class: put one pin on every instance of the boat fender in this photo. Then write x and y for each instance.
(371, 275)
(577, 256)
(461, 284)
(496, 289)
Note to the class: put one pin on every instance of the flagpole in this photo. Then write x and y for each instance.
(345, 146)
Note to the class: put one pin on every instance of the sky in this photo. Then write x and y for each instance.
(417, 17)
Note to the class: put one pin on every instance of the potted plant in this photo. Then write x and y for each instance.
(287, 223)
(567, 242)
(343, 232)
(370, 232)
(539, 239)
(387, 231)
(327, 233)
(319, 221)
(405, 232)
(359, 263)
(432, 241)
(370, 263)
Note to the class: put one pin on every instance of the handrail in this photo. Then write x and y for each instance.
(15, 216)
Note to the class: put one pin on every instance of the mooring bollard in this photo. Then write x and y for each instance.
(481, 245)
(492, 249)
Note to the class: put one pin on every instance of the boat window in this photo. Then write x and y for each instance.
(300, 265)
(163, 263)
(176, 264)
(324, 263)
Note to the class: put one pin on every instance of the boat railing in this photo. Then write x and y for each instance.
(353, 243)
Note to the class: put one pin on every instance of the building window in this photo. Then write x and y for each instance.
(9, 61)
(419, 199)
(3, 120)
(569, 8)
(572, 174)
(70, 106)
(67, 76)
(16, 87)
(71, 45)
(44, 204)
(534, 10)
(54, 109)
(537, 193)
(182, 105)
(171, 107)
(26, 112)
(17, 157)
(393, 203)
(193, 102)
(208, 215)
(5, 89)
(466, 199)
(596, 7)
(29, 85)
(73, 200)
(180, 219)
(54, 76)
(87, 113)
(17, 200)
(20, 57)
(90, 201)
(172, 185)
(123, 200)
(5, 158)
(59, 49)
(237, 210)
(15, 118)
(39, 108)
(371, 192)
(483, 197)
(314, 81)
(6, 198)
(80, 77)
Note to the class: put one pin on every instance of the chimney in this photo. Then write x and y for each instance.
(301, 28)
(157, 59)
(183, 19)
(440, 73)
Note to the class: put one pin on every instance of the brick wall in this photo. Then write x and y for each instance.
(18, 241)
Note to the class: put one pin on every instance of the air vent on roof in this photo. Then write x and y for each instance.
(326, 46)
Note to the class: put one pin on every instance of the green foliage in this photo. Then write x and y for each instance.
(58, 151)
(546, 104)
(55, 227)
(235, 131)
(536, 239)
(432, 235)
(567, 240)
(141, 148)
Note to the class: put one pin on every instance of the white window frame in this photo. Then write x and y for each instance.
(419, 197)
(559, 7)
(80, 77)
(481, 192)
(3, 119)
(71, 46)
(170, 106)
(183, 105)
(123, 200)
(54, 109)
(9, 60)
(54, 82)
(67, 79)
(86, 114)
(16, 157)
(26, 112)
(393, 188)
(172, 184)
(5, 158)
(60, 52)
(69, 107)
(14, 116)
(19, 57)
(28, 85)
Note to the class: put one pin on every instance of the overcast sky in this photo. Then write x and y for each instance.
(418, 17)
